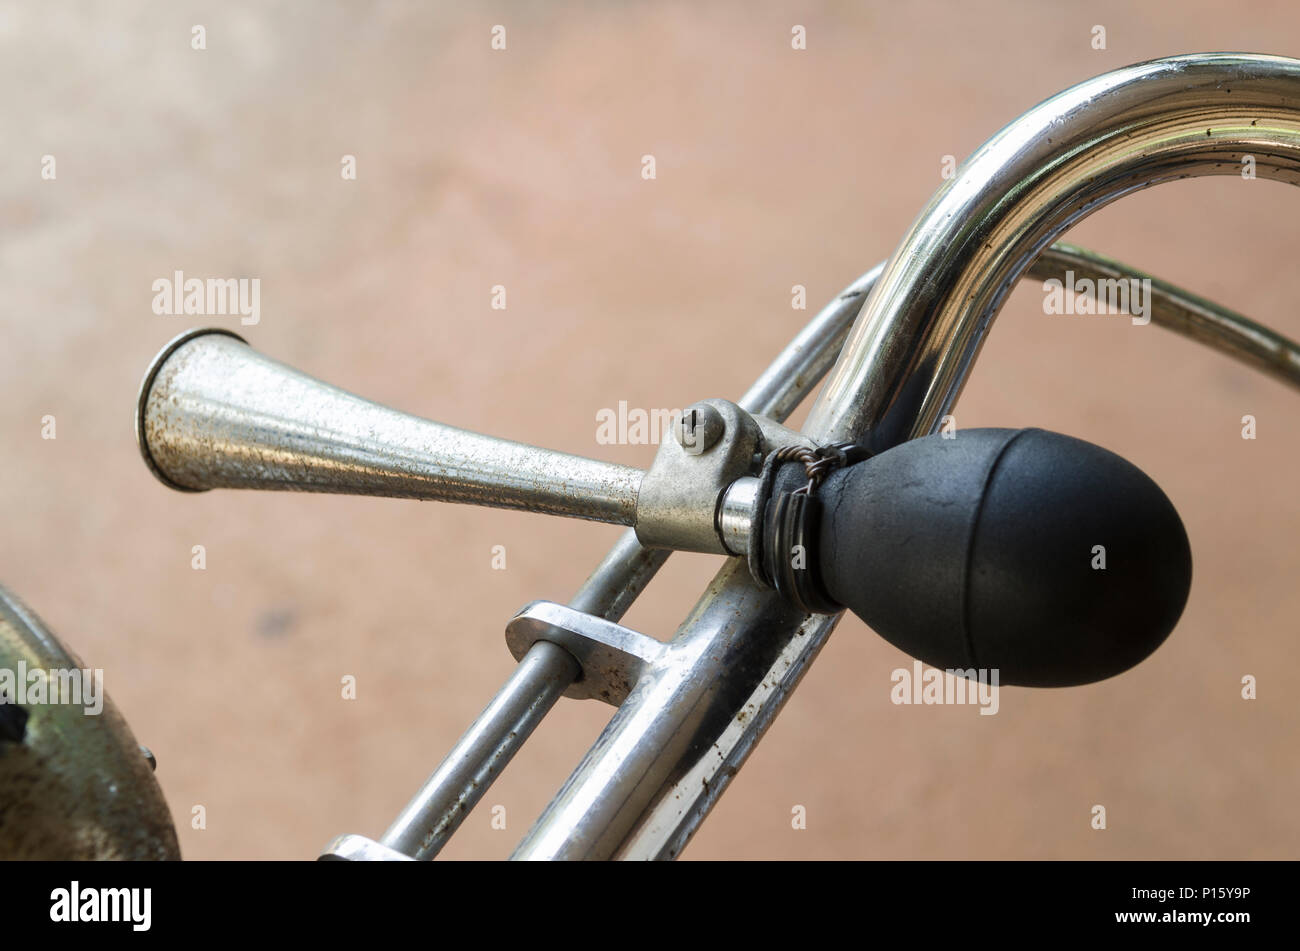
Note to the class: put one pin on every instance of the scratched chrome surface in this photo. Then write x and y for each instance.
(215, 413)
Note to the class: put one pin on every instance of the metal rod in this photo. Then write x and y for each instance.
(469, 769)
(677, 741)
(1182, 312)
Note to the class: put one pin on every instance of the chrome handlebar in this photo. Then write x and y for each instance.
(913, 345)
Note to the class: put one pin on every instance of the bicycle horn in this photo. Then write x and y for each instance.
(1052, 560)
(1045, 557)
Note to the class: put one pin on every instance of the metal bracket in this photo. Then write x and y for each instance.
(611, 656)
(682, 503)
(678, 499)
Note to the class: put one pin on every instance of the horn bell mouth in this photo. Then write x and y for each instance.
(146, 385)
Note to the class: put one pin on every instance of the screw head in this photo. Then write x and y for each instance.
(699, 428)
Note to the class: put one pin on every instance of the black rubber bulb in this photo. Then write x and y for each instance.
(1048, 558)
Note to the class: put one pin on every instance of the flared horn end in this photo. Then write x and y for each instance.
(142, 428)
(215, 413)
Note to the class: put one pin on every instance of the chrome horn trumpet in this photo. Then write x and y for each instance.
(214, 413)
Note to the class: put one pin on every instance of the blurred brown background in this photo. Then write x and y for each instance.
(522, 167)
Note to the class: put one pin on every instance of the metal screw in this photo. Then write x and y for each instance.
(699, 428)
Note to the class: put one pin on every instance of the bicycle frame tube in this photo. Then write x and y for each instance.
(689, 724)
